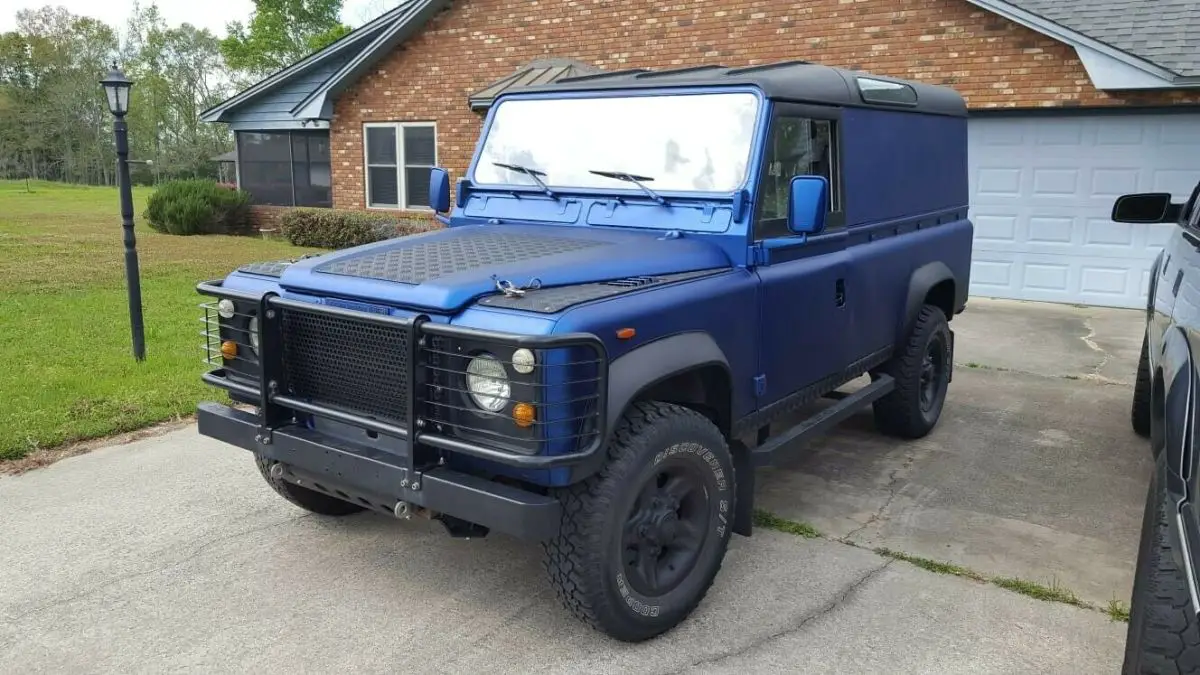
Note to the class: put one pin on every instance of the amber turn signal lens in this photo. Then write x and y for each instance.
(625, 333)
(229, 349)
(523, 415)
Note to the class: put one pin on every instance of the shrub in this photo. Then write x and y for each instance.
(336, 229)
(198, 206)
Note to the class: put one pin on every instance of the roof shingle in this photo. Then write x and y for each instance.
(1163, 32)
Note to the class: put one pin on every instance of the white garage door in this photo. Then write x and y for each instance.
(1042, 189)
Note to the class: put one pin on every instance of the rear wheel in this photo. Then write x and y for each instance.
(309, 500)
(642, 540)
(1139, 413)
(1163, 636)
(922, 372)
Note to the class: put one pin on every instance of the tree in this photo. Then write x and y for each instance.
(281, 32)
(55, 124)
(373, 9)
(177, 74)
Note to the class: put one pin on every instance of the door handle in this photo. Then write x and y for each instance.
(839, 292)
(1192, 239)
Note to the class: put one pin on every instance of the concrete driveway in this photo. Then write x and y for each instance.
(171, 554)
(1033, 471)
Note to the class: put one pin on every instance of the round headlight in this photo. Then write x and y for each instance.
(225, 308)
(487, 382)
(253, 330)
(523, 361)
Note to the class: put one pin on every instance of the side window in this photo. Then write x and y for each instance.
(797, 146)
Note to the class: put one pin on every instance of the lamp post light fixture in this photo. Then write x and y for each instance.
(116, 91)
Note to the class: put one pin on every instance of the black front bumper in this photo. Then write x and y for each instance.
(360, 405)
(379, 480)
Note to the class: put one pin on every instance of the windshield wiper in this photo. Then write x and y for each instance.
(632, 178)
(532, 173)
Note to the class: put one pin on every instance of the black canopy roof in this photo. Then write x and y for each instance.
(799, 81)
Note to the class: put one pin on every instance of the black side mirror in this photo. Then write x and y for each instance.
(1145, 207)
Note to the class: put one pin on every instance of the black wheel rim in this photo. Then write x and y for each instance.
(933, 368)
(665, 530)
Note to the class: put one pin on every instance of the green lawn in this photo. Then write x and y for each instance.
(69, 371)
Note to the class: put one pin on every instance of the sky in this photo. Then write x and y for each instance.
(210, 14)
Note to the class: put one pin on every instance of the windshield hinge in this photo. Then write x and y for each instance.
(758, 255)
(709, 209)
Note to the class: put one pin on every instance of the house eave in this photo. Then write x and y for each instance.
(319, 104)
(1112, 75)
(218, 112)
(1107, 67)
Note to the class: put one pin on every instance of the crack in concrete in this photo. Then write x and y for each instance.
(1093, 377)
(839, 600)
(195, 553)
(1105, 356)
(893, 488)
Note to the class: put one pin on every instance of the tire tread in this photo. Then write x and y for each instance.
(897, 414)
(1163, 636)
(1139, 413)
(573, 570)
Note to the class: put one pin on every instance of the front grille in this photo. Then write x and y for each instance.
(356, 366)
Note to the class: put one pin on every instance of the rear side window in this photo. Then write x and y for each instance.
(889, 93)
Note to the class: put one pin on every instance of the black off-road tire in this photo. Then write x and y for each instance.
(1163, 636)
(902, 413)
(1139, 413)
(587, 561)
(309, 500)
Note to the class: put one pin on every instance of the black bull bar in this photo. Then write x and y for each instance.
(397, 478)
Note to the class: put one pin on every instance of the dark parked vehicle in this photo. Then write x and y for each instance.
(642, 274)
(1163, 635)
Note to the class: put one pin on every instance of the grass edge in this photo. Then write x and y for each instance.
(1116, 610)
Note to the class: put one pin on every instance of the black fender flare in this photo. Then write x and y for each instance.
(1178, 401)
(922, 280)
(647, 365)
(644, 366)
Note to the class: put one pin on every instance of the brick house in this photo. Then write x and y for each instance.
(1073, 102)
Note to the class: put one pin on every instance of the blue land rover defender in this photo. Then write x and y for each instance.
(642, 276)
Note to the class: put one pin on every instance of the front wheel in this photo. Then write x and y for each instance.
(921, 368)
(642, 540)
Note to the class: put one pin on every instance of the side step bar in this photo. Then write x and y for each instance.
(817, 425)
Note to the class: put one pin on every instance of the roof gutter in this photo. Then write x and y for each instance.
(1108, 68)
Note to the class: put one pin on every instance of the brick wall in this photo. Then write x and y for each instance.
(991, 61)
(266, 217)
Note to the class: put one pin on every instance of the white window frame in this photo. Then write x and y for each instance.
(401, 164)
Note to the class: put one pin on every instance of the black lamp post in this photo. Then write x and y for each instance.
(116, 90)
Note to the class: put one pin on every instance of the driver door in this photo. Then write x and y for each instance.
(804, 306)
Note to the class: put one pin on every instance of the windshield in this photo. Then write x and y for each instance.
(688, 142)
